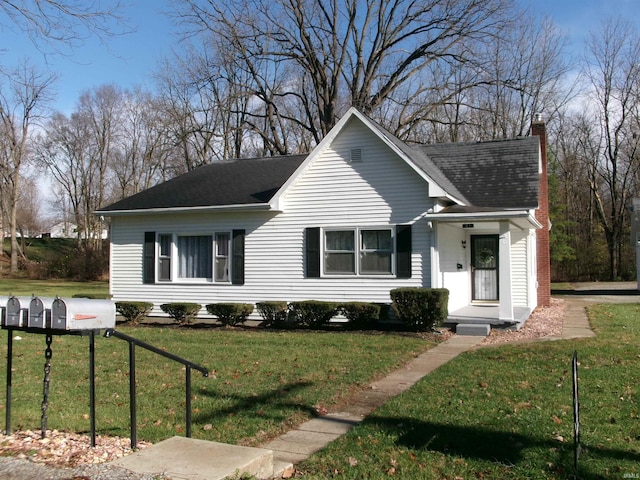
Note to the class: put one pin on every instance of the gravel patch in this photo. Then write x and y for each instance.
(60, 455)
(544, 323)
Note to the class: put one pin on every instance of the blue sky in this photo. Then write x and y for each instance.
(131, 59)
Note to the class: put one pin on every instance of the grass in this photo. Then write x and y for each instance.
(506, 412)
(261, 383)
(51, 288)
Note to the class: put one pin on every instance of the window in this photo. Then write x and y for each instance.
(195, 256)
(217, 257)
(339, 252)
(164, 257)
(371, 255)
(376, 248)
(382, 251)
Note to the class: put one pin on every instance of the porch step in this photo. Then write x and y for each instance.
(179, 457)
(474, 329)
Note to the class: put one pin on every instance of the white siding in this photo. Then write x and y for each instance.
(381, 190)
(458, 281)
(452, 253)
(519, 268)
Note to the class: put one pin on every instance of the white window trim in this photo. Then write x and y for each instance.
(171, 258)
(173, 271)
(357, 252)
(228, 257)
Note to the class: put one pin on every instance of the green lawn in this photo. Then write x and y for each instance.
(51, 288)
(261, 383)
(498, 412)
(506, 412)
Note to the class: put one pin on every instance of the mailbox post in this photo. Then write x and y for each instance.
(55, 316)
(77, 316)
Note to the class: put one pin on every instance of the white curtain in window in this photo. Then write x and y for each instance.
(195, 256)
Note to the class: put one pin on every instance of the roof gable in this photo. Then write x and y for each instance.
(439, 184)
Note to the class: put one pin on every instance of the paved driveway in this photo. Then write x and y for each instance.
(601, 292)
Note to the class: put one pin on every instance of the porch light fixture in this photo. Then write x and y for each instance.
(464, 244)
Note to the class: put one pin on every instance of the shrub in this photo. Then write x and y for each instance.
(313, 313)
(421, 308)
(361, 315)
(230, 314)
(182, 312)
(273, 313)
(133, 312)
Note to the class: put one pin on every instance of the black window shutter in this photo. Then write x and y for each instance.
(237, 249)
(149, 258)
(403, 251)
(312, 252)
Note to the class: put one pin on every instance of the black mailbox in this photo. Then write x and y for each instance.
(17, 311)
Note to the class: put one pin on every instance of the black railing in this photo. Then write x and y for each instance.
(133, 342)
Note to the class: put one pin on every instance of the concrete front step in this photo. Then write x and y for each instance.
(474, 329)
(182, 458)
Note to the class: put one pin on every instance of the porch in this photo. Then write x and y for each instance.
(479, 314)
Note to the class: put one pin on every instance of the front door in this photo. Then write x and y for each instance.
(484, 267)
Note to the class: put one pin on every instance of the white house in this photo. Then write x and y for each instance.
(70, 230)
(360, 215)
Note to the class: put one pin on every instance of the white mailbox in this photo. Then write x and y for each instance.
(83, 313)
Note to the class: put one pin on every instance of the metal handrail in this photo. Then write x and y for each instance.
(110, 332)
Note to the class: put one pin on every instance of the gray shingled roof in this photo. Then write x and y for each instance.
(237, 182)
(500, 174)
(496, 174)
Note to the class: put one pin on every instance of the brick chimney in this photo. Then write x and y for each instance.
(538, 128)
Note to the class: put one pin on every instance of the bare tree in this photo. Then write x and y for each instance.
(64, 152)
(191, 112)
(23, 96)
(143, 145)
(307, 60)
(52, 24)
(612, 73)
(28, 218)
(101, 109)
(572, 146)
(526, 74)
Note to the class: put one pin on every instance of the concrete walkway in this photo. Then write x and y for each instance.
(298, 444)
(576, 323)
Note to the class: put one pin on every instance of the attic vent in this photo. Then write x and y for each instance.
(356, 155)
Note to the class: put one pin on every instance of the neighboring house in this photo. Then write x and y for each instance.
(70, 230)
(362, 214)
(64, 230)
